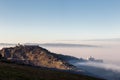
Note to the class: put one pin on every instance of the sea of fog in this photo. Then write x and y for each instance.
(109, 52)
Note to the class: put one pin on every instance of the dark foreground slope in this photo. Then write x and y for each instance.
(10, 71)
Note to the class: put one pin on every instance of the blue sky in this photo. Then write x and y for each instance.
(50, 20)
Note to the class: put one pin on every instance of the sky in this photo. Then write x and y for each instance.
(54, 20)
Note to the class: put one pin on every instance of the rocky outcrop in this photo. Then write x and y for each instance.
(35, 56)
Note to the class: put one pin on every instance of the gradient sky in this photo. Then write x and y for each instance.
(50, 20)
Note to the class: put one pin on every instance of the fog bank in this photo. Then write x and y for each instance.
(102, 70)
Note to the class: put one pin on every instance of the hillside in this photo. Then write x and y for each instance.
(35, 56)
(30, 62)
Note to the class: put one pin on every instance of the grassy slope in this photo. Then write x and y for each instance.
(9, 71)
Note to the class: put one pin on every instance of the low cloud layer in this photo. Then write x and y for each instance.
(106, 66)
(67, 45)
(102, 70)
(111, 39)
(52, 44)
